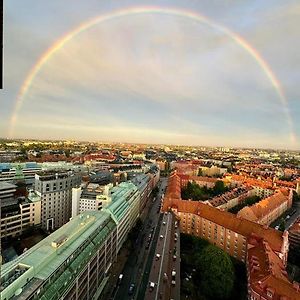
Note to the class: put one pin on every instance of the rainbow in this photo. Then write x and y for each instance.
(151, 10)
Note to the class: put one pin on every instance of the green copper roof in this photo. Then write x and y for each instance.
(44, 259)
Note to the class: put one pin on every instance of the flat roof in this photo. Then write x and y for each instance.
(48, 255)
(6, 185)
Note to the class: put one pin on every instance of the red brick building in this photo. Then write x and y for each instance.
(246, 240)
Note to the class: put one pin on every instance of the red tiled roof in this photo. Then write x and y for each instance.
(263, 207)
(268, 274)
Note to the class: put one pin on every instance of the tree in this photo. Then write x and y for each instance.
(216, 272)
(219, 187)
(282, 225)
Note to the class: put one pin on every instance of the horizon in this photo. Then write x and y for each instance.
(145, 143)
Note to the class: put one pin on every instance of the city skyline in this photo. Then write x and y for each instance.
(169, 73)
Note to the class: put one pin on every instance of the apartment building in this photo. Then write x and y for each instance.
(231, 198)
(267, 277)
(269, 209)
(209, 182)
(241, 239)
(55, 189)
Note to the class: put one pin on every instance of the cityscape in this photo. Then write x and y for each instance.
(150, 150)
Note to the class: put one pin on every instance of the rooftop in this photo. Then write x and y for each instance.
(6, 185)
(46, 257)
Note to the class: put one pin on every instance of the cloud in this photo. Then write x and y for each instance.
(177, 79)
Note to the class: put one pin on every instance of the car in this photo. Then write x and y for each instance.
(164, 223)
(151, 286)
(161, 237)
(120, 278)
(157, 256)
(131, 289)
(277, 227)
(288, 216)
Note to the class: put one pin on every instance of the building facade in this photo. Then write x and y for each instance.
(20, 215)
(55, 190)
(268, 209)
(74, 261)
(241, 239)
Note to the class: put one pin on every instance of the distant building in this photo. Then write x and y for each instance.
(55, 190)
(14, 172)
(93, 197)
(231, 198)
(202, 181)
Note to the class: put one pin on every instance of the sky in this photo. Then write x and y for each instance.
(166, 72)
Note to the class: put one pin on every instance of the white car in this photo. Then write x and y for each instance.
(151, 286)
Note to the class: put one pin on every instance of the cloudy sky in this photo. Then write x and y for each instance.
(154, 76)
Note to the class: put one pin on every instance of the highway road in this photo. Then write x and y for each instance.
(135, 266)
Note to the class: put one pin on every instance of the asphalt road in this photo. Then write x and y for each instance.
(137, 260)
(288, 220)
(161, 270)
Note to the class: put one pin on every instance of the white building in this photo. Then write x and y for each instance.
(55, 190)
(93, 197)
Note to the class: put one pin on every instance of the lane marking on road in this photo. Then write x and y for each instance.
(162, 258)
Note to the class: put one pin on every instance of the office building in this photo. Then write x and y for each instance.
(74, 261)
(55, 190)
(91, 197)
(19, 214)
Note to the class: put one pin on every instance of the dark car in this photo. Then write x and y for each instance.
(131, 289)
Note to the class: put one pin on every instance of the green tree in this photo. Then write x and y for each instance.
(216, 272)
(219, 187)
(282, 225)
